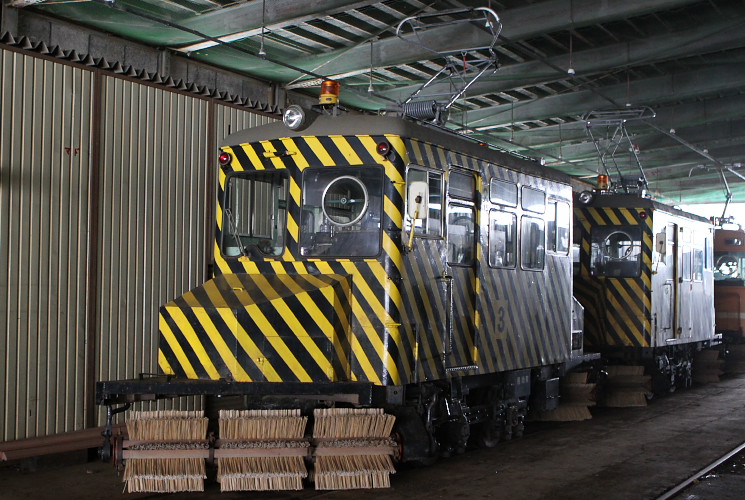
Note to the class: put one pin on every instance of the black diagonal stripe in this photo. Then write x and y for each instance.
(337, 157)
(365, 157)
(259, 338)
(462, 314)
(317, 336)
(556, 309)
(606, 314)
(507, 337)
(226, 332)
(490, 352)
(200, 371)
(545, 333)
(269, 307)
(525, 324)
(171, 358)
(414, 302)
(308, 153)
(376, 358)
(203, 337)
(620, 312)
(415, 148)
(242, 158)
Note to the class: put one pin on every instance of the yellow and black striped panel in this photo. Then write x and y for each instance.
(617, 310)
(379, 348)
(256, 327)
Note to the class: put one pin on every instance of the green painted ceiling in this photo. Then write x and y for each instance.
(684, 59)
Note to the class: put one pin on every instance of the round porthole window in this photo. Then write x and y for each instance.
(619, 246)
(345, 200)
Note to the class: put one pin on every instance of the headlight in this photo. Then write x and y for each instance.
(294, 117)
(586, 197)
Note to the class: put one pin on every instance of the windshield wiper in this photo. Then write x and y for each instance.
(234, 231)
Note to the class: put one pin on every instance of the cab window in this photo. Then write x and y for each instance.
(616, 251)
(341, 212)
(254, 213)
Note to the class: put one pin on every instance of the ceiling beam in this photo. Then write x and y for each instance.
(677, 116)
(702, 39)
(519, 23)
(675, 86)
(245, 20)
(651, 142)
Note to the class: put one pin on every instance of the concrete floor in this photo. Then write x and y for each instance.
(630, 453)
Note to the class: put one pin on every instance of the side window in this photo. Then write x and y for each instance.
(557, 221)
(698, 264)
(460, 234)
(462, 185)
(255, 211)
(532, 244)
(502, 239)
(687, 263)
(503, 193)
(533, 200)
(563, 227)
(432, 224)
(551, 226)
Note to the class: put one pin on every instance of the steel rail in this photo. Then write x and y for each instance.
(672, 493)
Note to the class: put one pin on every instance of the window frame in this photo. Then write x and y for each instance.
(409, 224)
(630, 230)
(252, 176)
(473, 236)
(500, 201)
(552, 244)
(524, 240)
(515, 243)
(341, 172)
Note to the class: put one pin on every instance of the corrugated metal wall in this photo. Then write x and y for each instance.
(229, 120)
(154, 195)
(152, 217)
(45, 121)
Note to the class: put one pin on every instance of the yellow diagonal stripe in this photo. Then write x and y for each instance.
(346, 149)
(295, 325)
(165, 330)
(318, 149)
(359, 354)
(318, 316)
(219, 342)
(381, 313)
(300, 160)
(191, 337)
(164, 365)
(277, 343)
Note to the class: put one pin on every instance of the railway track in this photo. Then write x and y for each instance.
(729, 463)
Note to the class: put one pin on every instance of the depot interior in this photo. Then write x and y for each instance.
(135, 96)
